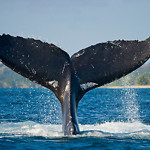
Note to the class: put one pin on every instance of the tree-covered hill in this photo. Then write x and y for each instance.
(10, 79)
(140, 76)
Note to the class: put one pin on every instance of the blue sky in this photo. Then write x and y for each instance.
(76, 24)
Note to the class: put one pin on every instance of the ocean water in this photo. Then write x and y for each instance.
(108, 119)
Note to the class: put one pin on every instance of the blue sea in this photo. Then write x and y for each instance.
(30, 119)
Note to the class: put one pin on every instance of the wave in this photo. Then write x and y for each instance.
(134, 130)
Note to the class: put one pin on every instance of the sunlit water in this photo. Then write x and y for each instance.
(108, 119)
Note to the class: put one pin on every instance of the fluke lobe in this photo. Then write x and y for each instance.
(70, 78)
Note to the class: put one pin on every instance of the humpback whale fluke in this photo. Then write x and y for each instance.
(70, 78)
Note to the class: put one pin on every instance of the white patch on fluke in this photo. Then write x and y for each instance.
(67, 86)
(53, 83)
(65, 64)
(92, 66)
(79, 54)
(87, 85)
(33, 71)
(116, 43)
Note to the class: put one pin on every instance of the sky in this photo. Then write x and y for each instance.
(76, 24)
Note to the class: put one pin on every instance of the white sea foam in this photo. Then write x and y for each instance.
(30, 128)
(135, 130)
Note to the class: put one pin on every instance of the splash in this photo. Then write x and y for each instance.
(134, 130)
(130, 105)
(129, 101)
(30, 128)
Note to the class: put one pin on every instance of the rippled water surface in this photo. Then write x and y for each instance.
(108, 119)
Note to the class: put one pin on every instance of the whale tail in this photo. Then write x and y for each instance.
(70, 78)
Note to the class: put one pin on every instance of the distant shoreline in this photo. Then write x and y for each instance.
(101, 87)
(132, 86)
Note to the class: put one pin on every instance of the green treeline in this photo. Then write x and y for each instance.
(10, 79)
(140, 76)
(143, 79)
